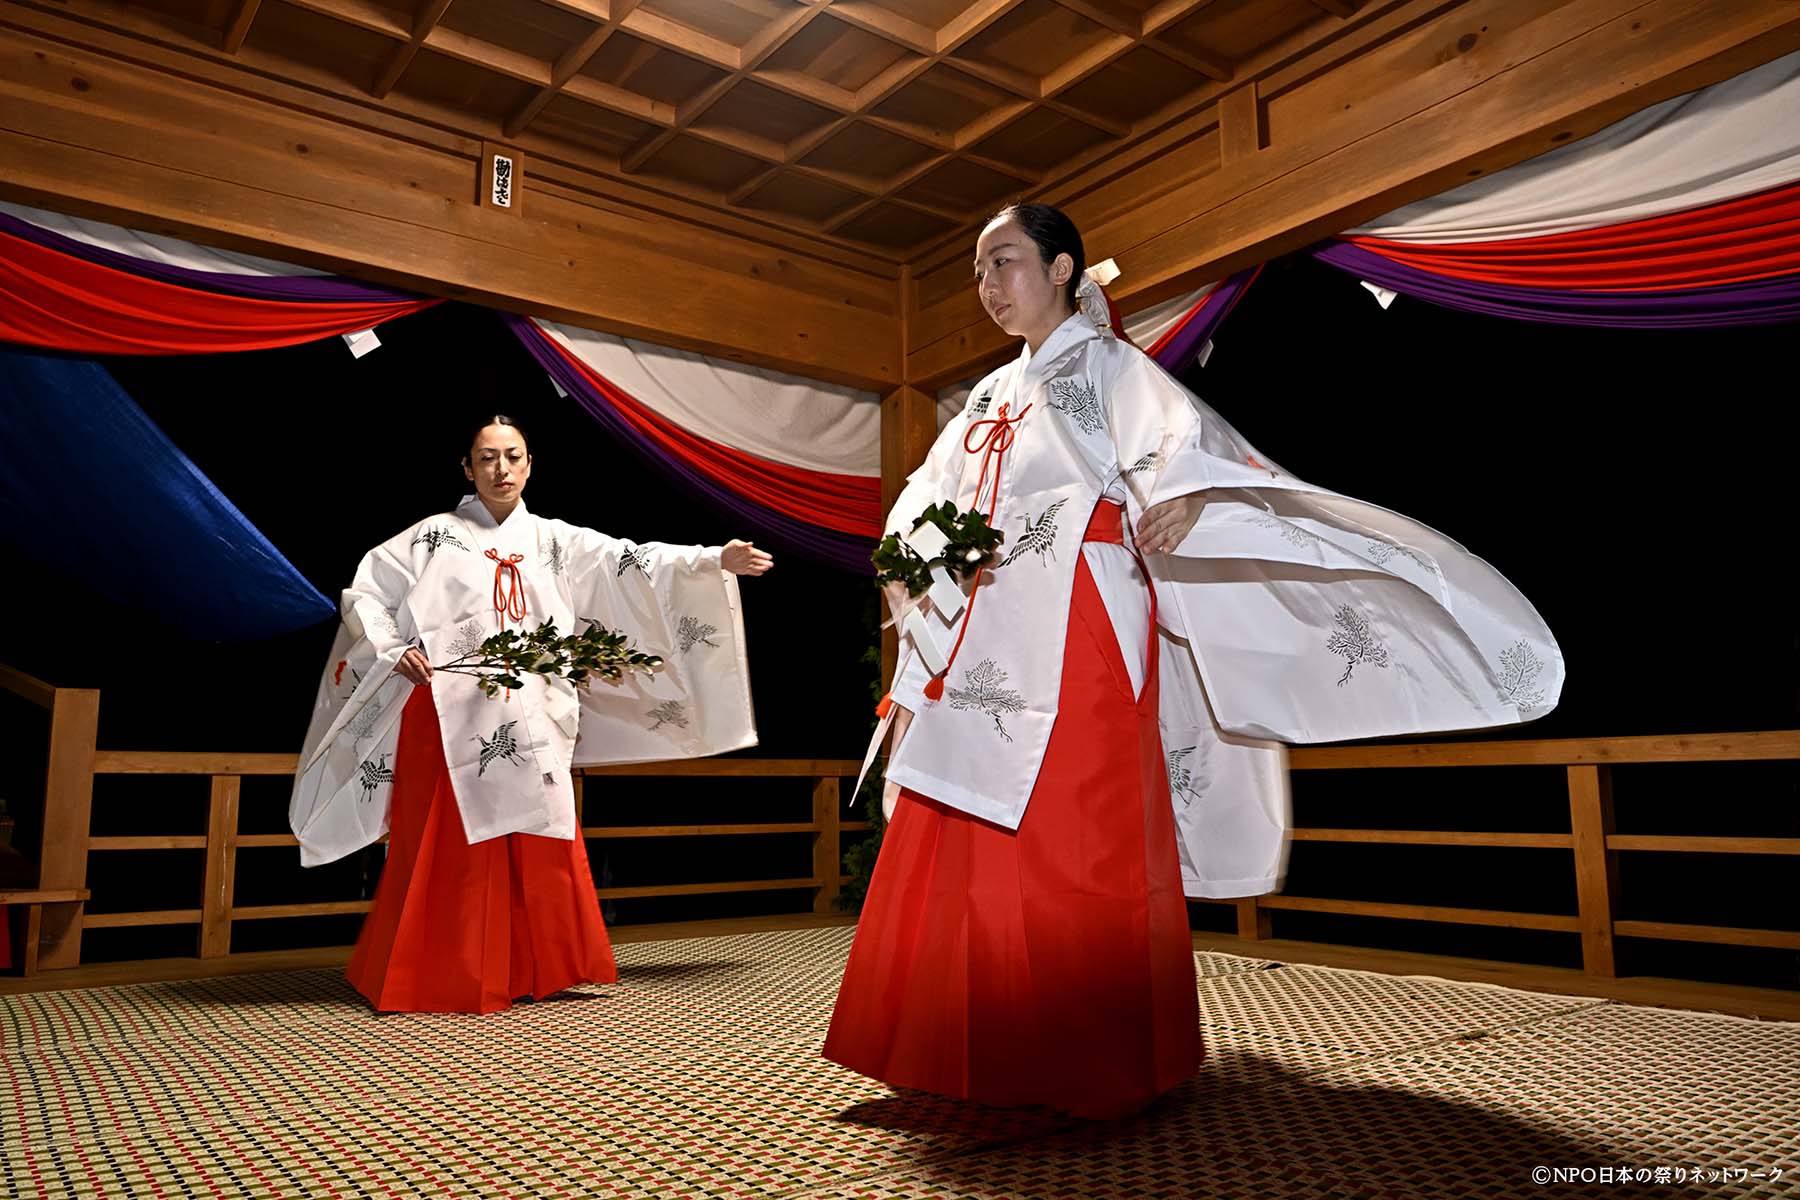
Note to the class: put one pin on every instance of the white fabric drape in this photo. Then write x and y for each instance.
(152, 247)
(1732, 139)
(784, 418)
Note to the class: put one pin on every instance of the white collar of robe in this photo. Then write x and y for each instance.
(1064, 338)
(476, 513)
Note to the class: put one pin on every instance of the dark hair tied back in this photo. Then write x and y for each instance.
(1054, 234)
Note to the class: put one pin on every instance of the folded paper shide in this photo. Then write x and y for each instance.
(960, 541)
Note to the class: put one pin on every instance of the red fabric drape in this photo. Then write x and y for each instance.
(62, 302)
(1736, 241)
(845, 503)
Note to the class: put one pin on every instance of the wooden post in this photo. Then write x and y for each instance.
(1252, 920)
(827, 842)
(34, 932)
(1240, 124)
(221, 867)
(1596, 867)
(68, 807)
(908, 427)
(580, 784)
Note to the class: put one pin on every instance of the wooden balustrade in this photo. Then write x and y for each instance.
(58, 916)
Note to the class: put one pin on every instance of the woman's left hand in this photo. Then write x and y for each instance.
(743, 558)
(1165, 525)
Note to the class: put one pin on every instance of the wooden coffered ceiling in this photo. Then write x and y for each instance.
(880, 125)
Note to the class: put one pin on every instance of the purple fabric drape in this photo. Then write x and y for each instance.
(1764, 302)
(1180, 347)
(316, 288)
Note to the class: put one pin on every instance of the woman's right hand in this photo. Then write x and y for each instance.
(414, 666)
(898, 596)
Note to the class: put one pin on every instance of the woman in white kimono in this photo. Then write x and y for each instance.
(1080, 744)
(487, 895)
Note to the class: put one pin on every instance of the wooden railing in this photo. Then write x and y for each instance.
(53, 908)
(1592, 840)
(222, 840)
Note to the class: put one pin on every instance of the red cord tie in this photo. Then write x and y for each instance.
(509, 588)
(992, 446)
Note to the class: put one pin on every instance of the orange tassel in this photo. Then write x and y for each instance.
(881, 709)
(934, 688)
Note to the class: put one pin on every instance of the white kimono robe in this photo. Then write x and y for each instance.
(436, 586)
(1289, 613)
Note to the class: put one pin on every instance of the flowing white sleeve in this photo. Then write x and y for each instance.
(672, 601)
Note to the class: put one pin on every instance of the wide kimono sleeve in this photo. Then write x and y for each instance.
(672, 601)
(1313, 617)
(341, 790)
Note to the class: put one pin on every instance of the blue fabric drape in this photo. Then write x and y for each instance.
(94, 488)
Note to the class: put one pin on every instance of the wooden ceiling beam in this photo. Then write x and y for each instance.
(361, 14)
(602, 95)
(1210, 65)
(671, 35)
(1109, 15)
(568, 66)
(771, 39)
(239, 29)
(402, 57)
(885, 23)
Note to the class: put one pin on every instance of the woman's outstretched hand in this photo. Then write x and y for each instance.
(1164, 526)
(743, 558)
(414, 666)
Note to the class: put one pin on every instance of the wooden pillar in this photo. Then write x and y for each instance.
(221, 866)
(68, 806)
(908, 427)
(1596, 867)
(1252, 920)
(1241, 131)
(828, 852)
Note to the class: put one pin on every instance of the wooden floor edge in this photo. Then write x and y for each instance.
(167, 970)
(1733, 999)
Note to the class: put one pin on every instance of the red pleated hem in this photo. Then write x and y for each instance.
(1049, 966)
(470, 928)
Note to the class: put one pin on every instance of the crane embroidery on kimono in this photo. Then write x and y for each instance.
(633, 560)
(374, 772)
(1356, 642)
(669, 712)
(1186, 781)
(435, 536)
(1519, 669)
(1039, 537)
(554, 557)
(982, 692)
(980, 406)
(692, 632)
(1148, 462)
(501, 745)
